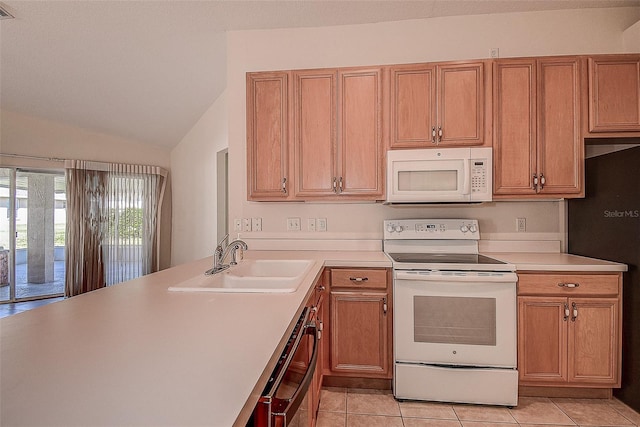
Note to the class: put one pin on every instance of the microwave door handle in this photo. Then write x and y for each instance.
(466, 180)
(295, 401)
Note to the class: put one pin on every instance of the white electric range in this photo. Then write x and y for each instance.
(455, 311)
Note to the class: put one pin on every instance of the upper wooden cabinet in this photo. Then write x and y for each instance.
(614, 93)
(443, 104)
(538, 149)
(337, 127)
(268, 136)
(314, 132)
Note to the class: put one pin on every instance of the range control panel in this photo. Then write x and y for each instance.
(431, 229)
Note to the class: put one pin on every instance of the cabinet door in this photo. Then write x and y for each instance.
(360, 172)
(594, 341)
(413, 100)
(515, 139)
(314, 132)
(542, 340)
(460, 104)
(267, 135)
(614, 94)
(560, 143)
(359, 337)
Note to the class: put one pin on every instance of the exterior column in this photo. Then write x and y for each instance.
(40, 229)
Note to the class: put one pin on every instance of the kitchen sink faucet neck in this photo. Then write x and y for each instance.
(220, 253)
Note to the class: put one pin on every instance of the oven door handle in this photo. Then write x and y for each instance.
(426, 276)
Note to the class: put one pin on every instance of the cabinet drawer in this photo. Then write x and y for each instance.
(359, 278)
(568, 284)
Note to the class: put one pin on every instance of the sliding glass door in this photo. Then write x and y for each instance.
(6, 241)
(32, 233)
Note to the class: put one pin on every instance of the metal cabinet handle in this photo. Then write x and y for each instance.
(569, 285)
(535, 182)
(575, 311)
(433, 134)
(566, 312)
(384, 305)
(284, 185)
(542, 181)
(335, 185)
(358, 279)
(340, 184)
(439, 133)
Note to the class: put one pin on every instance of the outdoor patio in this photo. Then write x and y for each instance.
(25, 290)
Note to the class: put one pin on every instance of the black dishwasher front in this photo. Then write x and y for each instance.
(291, 378)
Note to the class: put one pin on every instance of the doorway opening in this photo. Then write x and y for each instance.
(222, 205)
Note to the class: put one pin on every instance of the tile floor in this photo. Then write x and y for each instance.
(373, 408)
(18, 307)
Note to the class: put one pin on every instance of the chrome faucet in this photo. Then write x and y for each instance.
(221, 253)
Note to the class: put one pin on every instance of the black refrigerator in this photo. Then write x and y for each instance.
(606, 225)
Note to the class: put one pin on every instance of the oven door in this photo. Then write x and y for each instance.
(455, 318)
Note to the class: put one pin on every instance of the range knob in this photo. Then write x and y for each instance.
(473, 228)
(390, 228)
(464, 228)
(398, 228)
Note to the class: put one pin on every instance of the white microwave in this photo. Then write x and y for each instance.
(440, 175)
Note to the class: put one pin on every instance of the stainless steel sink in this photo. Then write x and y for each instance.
(267, 276)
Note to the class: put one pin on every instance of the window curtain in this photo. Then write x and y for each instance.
(113, 221)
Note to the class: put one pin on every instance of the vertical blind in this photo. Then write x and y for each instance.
(113, 223)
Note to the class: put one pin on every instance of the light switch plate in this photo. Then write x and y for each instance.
(256, 224)
(321, 224)
(246, 224)
(237, 224)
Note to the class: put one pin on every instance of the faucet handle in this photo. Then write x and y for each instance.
(222, 241)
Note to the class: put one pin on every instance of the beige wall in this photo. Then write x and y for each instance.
(520, 34)
(32, 136)
(631, 38)
(193, 165)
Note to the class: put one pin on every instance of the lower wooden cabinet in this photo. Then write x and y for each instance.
(360, 319)
(569, 330)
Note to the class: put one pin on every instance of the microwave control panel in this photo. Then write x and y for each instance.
(478, 176)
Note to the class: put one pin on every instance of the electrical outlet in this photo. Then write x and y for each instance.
(246, 224)
(321, 224)
(293, 224)
(311, 224)
(256, 224)
(237, 224)
(521, 225)
(495, 52)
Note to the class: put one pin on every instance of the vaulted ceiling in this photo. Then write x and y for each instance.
(148, 70)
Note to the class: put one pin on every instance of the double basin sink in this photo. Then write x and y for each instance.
(259, 275)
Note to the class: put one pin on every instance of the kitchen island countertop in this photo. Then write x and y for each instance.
(137, 354)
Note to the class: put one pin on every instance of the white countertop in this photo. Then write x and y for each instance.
(535, 261)
(136, 354)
